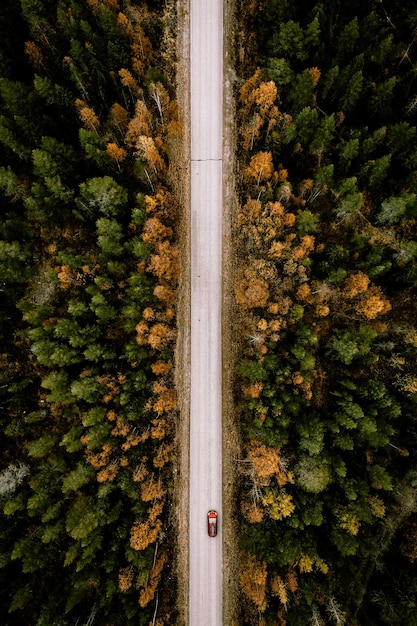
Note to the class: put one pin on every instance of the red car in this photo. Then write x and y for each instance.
(212, 523)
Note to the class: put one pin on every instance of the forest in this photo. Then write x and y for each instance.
(89, 265)
(326, 380)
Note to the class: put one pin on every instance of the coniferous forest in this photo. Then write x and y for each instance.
(326, 381)
(89, 266)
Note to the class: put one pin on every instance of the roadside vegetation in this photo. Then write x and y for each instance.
(89, 267)
(326, 381)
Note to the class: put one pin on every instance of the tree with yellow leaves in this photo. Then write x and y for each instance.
(125, 578)
(142, 534)
(151, 489)
(252, 578)
(279, 588)
(260, 168)
(147, 151)
(161, 98)
(163, 455)
(278, 504)
(148, 592)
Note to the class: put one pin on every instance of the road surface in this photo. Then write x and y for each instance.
(205, 471)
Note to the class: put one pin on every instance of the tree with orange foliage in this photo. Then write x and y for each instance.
(265, 97)
(252, 292)
(139, 125)
(108, 473)
(248, 88)
(154, 231)
(141, 48)
(315, 74)
(259, 97)
(251, 131)
(65, 276)
(166, 264)
(116, 153)
(129, 81)
(161, 368)
(165, 402)
(142, 330)
(87, 115)
(303, 293)
(253, 391)
(279, 588)
(160, 336)
(159, 428)
(96, 5)
(263, 460)
(126, 25)
(34, 54)
(165, 294)
(373, 304)
(119, 118)
(355, 284)
(252, 510)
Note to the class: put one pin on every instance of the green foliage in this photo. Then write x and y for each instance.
(346, 345)
(393, 209)
(80, 476)
(279, 70)
(307, 222)
(42, 446)
(82, 519)
(102, 195)
(251, 371)
(313, 473)
(109, 235)
(94, 147)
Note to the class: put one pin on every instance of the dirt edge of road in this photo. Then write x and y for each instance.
(231, 437)
(180, 173)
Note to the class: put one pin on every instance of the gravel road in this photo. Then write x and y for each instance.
(205, 472)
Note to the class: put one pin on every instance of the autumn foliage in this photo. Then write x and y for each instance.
(315, 293)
